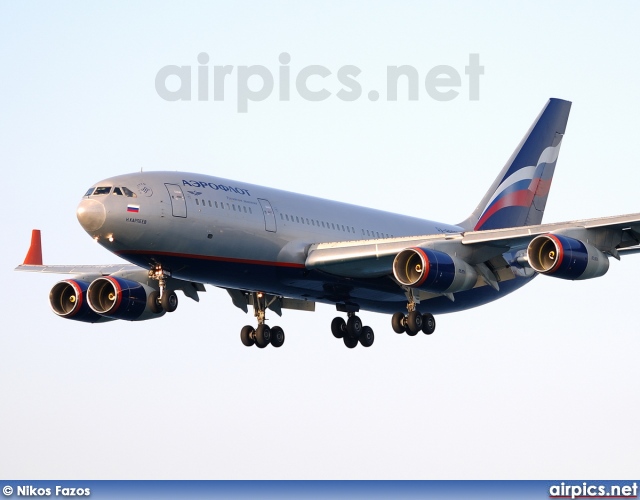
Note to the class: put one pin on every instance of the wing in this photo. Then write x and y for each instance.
(33, 263)
(374, 258)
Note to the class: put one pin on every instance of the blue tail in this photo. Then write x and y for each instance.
(519, 194)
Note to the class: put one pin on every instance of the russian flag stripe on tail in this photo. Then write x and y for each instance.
(518, 195)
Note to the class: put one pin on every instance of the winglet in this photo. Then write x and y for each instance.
(34, 255)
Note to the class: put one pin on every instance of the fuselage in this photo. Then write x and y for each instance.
(243, 236)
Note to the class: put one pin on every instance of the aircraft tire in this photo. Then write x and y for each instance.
(277, 336)
(366, 336)
(428, 324)
(397, 322)
(354, 327)
(169, 301)
(153, 302)
(349, 341)
(246, 335)
(338, 327)
(263, 336)
(414, 323)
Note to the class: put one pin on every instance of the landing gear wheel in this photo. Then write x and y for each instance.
(349, 341)
(153, 302)
(277, 336)
(247, 335)
(263, 336)
(397, 322)
(428, 324)
(354, 327)
(366, 336)
(169, 301)
(338, 327)
(414, 323)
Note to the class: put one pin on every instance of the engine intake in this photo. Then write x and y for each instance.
(68, 300)
(433, 271)
(567, 258)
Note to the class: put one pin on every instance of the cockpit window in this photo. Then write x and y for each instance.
(129, 193)
(102, 190)
(116, 190)
(88, 193)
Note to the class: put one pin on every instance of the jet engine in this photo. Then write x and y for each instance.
(119, 298)
(433, 271)
(567, 258)
(68, 299)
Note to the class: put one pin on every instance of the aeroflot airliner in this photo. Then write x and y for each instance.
(273, 249)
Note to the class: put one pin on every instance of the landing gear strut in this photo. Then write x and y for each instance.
(351, 332)
(413, 322)
(166, 300)
(261, 336)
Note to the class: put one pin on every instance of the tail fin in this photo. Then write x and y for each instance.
(519, 194)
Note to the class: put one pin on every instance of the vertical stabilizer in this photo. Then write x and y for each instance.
(519, 194)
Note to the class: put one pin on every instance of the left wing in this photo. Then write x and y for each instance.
(374, 258)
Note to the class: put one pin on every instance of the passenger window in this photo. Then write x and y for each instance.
(116, 191)
(234, 207)
(209, 202)
(297, 220)
(245, 209)
(102, 190)
(128, 193)
(197, 202)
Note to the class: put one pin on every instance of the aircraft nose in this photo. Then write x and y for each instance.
(91, 214)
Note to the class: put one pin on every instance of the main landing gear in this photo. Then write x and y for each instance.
(351, 331)
(164, 300)
(261, 336)
(413, 322)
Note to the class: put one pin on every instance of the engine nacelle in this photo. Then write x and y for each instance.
(567, 258)
(433, 271)
(68, 299)
(120, 298)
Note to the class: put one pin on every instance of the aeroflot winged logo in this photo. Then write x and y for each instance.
(215, 187)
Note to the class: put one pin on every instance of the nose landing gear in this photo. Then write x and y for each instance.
(166, 300)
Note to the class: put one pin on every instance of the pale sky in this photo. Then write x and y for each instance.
(544, 383)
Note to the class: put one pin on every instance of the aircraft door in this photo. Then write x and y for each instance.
(178, 203)
(269, 215)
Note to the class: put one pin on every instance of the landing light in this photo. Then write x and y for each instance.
(110, 238)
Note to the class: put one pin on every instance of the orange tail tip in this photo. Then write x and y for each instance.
(34, 255)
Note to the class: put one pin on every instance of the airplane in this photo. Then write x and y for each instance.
(273, 250)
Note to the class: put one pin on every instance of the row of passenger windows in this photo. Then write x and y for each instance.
(292, 218)
(221, 206)
(118, 191)
(332, 225)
